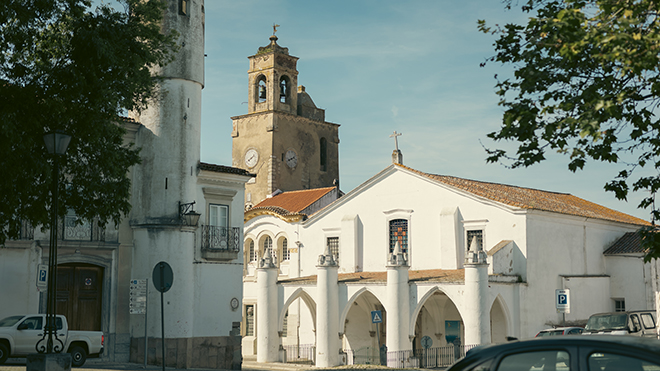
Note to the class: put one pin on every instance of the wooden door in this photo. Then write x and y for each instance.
(79, 295)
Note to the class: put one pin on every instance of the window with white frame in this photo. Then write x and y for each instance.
(268, 246)
(399, 232)
(219, 215)
(619, 305)
(333, 245)
(285, 250)
(252, 253)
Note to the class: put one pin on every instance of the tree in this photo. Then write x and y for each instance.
(65, 66)
(585, 83)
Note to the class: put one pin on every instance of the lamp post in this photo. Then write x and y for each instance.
(56, 144)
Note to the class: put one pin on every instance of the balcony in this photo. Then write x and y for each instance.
(220, 243)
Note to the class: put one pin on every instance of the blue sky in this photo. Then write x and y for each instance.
(381, 66)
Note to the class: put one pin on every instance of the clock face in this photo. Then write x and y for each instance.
(251, 157)
(291, 158)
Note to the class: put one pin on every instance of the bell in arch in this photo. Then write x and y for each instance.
(282, 89)
(262, 92)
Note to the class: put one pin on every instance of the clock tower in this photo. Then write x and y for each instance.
(284, 138)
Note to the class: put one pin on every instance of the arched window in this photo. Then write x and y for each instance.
(268, 246)
(285, 250)
(324, 154)
(253, 252)
(399, 232)
(284, 89)
(262, 94)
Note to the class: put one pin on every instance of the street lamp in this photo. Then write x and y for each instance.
(188, 215)
(56, 144)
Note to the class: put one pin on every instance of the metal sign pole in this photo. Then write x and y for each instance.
(146, 307)
(162, 310)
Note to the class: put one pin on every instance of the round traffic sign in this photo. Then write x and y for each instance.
(163, 277)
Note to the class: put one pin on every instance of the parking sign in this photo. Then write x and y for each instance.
(563, 300)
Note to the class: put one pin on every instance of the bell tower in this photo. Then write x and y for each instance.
(284, 138)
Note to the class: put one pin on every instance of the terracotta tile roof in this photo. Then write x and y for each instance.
(295, 201)
(529, 198)
(430, 275)
(629, 243)
(223, 169)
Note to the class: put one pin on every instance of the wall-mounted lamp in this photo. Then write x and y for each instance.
(188, 215)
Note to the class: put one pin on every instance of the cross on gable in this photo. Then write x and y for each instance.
(396, 142)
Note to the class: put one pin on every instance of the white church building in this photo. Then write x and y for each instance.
(444, 260)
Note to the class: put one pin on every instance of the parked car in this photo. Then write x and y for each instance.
(19, 336)
(560, 331)
(566, 353)
(637, 323)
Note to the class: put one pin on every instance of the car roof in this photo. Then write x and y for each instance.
(561, 328)
(619, 343)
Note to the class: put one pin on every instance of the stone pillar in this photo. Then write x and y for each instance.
(268, 342)
(477, 313)
(398, 301)
(327, 312)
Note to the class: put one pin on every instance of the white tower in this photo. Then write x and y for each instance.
(327, 318)
(267, 339)
(398, 301)
(477, 313)
(167, 176)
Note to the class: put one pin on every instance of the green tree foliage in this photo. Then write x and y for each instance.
(65, 66)
(585, 83)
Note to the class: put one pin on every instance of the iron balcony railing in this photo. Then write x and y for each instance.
(221, 238)
(76, 229)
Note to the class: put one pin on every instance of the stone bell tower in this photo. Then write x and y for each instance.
(284, 138)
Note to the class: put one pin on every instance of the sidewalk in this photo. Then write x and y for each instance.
(17, 364)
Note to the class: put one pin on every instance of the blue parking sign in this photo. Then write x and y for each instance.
(563, 300)
(42, 276)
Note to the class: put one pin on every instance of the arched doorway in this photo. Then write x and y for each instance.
(498, 322)
(362, 338)
(80, 295)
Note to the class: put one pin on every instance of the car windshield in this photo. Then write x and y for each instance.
(9, 321)
(607, 322)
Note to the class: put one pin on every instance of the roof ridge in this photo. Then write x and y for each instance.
(485, 182)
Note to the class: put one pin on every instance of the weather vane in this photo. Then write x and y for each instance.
(275, 28)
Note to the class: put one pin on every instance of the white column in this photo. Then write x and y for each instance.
(327, 312)
(398, 302)
(477, 313)
(268, 341)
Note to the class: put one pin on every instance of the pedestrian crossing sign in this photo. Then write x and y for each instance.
(376, 316)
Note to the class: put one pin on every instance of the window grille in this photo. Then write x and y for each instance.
(285, 250)
(249, 320)
(268, 246)
(253, 252)
(399, 232)
(333, 244)
(285, 324)
(479, 234)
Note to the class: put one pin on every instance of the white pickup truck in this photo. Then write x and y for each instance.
(19, 336)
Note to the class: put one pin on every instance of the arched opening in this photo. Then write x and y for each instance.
(284, 89)
(297, 328)
(439, 333)
(362, 339)
(283, 255)
(324, 154)
(262, 92)
(498, 322)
